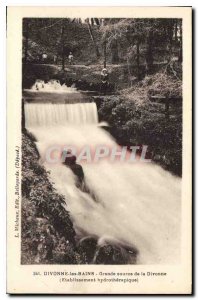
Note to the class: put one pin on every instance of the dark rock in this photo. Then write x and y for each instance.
(115, 255)
(109, 255)
(64, 252)
(87, 247)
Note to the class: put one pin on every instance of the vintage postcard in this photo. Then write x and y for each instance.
(99, 149)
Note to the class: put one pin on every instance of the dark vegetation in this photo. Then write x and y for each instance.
(112, 41)
(47, 230)
(136, 120)
(130, 48)
(144, 61)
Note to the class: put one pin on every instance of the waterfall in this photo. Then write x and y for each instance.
(137, 204)
(38, 114)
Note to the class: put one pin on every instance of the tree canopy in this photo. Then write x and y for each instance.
(134, 41)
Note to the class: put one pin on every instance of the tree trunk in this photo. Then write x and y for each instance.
(138, 59)
(149, 53)
(63, 47)
(115, 56)
(93, 39)
(26, 41)
(176, 30)
(170, 32)
(180, 48)
(105, 54)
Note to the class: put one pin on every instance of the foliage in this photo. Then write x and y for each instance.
(47, 231)
(133, 41)
(164, 83)
(134, 120)
(143, 40)
(46, 35)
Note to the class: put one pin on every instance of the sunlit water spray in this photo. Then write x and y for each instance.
(52, 86)
(137, 204)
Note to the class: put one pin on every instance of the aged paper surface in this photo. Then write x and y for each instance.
(143, 277)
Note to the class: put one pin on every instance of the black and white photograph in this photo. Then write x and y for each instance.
(102, 141)
(102, 154)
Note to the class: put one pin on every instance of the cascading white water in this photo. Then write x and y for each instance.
(137, 204)
(55, 114)
(52, 86)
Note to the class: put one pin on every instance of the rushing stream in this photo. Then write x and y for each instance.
(136, 204)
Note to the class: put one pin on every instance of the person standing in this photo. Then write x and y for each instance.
(55, 59)
(104, 79)
(44, 57)
(71, 58)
